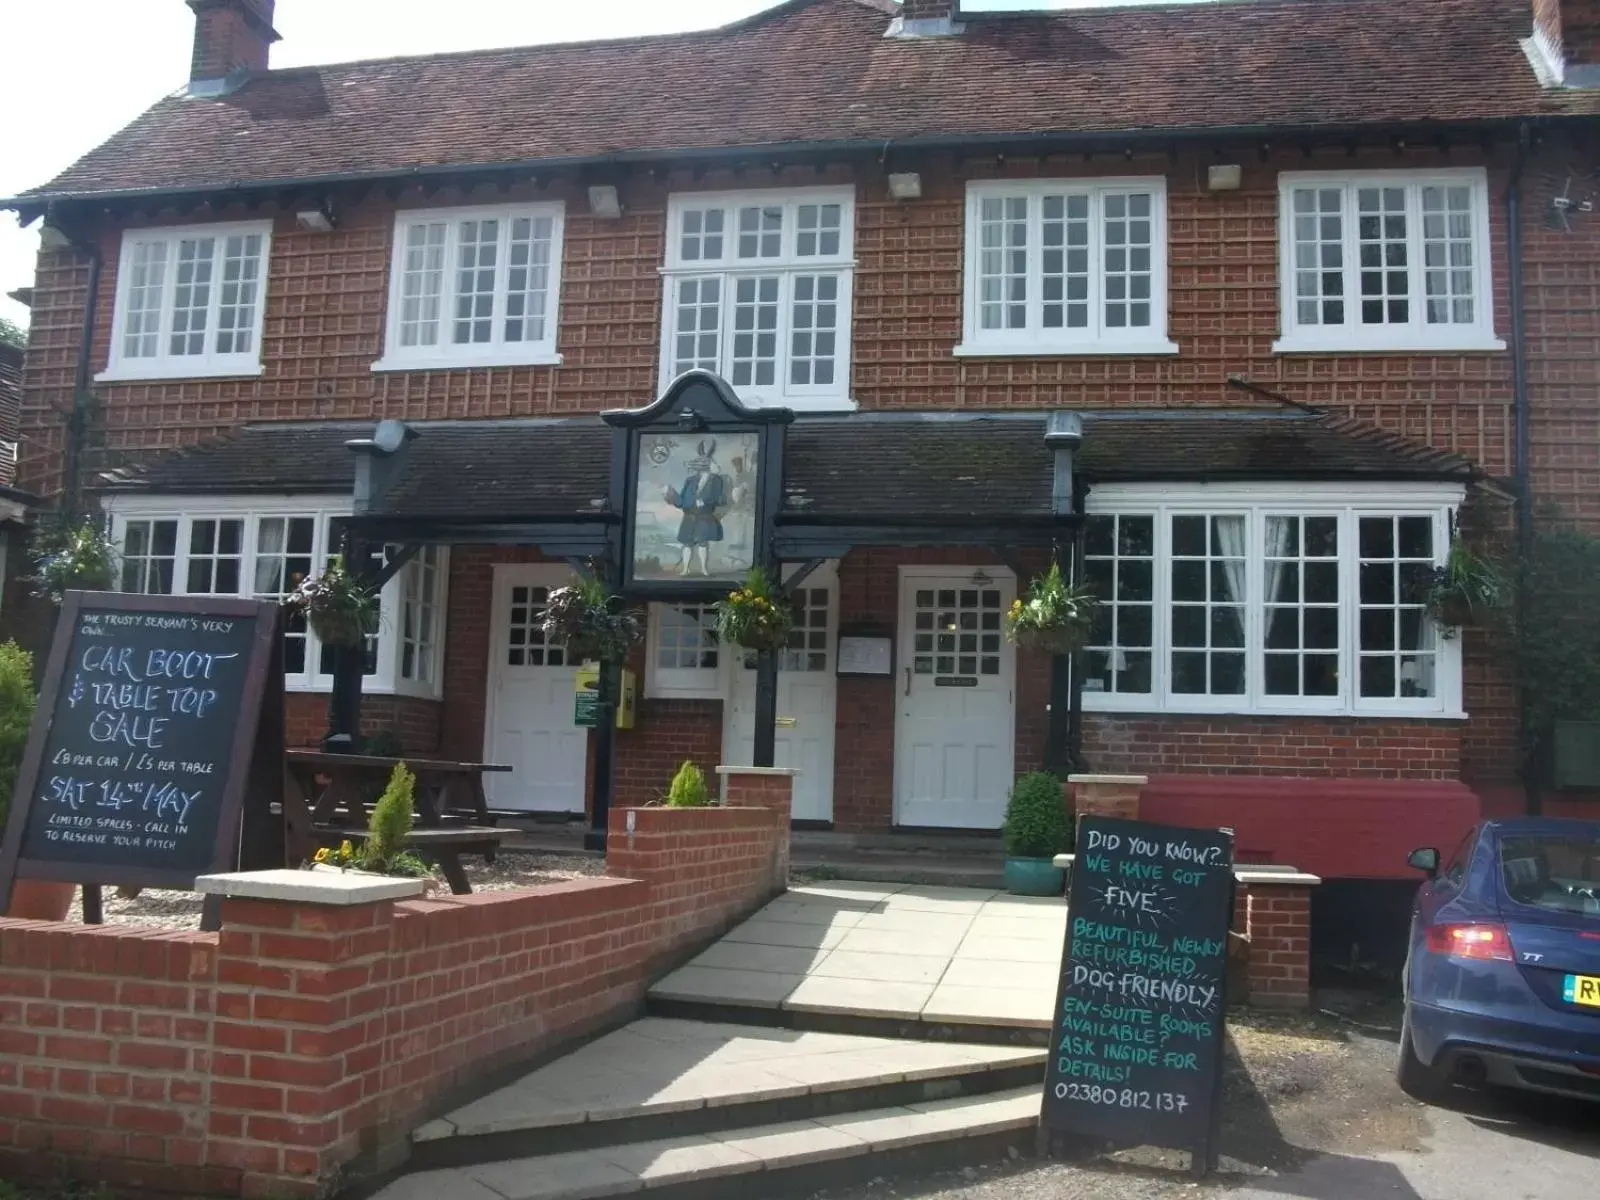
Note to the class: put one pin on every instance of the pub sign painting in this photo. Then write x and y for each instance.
(695, 507)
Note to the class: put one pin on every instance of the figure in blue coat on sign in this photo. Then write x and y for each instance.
(704, 496)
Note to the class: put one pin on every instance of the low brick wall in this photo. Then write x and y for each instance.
(303, 1042)
(1272, 910)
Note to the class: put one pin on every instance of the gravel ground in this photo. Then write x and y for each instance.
(1311, 1112)
(157, 908)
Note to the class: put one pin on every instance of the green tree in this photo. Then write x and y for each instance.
(12, 334)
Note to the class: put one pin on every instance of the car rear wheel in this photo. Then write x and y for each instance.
(1417, 1080)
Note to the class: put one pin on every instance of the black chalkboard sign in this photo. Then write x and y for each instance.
(148, 734)
(1136, 1046)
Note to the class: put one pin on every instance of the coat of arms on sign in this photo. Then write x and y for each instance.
(695, 512)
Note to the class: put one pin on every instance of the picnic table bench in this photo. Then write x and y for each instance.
(343, 786)
(444, 846)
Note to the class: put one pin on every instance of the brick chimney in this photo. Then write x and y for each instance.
(1570, 32)
(230, 36)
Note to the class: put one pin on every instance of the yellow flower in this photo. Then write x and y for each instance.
(322, 855)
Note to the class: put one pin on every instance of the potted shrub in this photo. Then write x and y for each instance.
(340, 607)
(1055, 616)
(35, 899)
(1037, 829)
(383, 851)
(594, 625)
(68, 556)
(1467, 591)
(757, 616)
(688, 788)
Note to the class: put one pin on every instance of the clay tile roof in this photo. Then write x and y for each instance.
(879, 467)
(821, 71)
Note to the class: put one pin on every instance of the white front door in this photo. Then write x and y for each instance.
(806, 696)
(528, 725)
(955, 733)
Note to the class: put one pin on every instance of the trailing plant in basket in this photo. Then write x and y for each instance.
(69, 557)
(688, 788)
(1469, 589)
(1037, 824)
(757, 616)
(593, 623)
(1054, 616)
(340, 606)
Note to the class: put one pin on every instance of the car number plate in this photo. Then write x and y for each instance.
(1582, 989)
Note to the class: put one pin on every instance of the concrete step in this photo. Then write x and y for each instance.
(656, 1079)
(882, 960)
(874, 866)
(788, 1158)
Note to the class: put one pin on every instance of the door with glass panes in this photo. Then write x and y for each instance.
(530, 703)
(955, 731)
(806, 699)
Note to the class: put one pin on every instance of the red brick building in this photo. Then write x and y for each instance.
(1305, 275)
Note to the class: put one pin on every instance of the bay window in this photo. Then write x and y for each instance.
(471, 287)
(757, 289)
(1066, 267)
(1386, 260)
(1268, 599)
(189, 302)
(229, 547)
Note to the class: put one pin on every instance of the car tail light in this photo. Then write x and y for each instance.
(1471, 941)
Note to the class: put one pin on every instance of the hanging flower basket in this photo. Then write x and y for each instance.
(340, 608)
(1468, 591)
(757, 616)
(592, 624)
(1054, 617)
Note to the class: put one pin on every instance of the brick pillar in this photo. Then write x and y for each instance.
(771, 788)
(1107, 795)
(1277, 918)
(300, 1080)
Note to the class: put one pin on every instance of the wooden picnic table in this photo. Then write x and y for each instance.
(341, 787)
(444, 846)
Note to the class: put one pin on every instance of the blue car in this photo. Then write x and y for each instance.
(1502, 980)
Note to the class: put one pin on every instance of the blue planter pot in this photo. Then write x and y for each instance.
(1034, 877)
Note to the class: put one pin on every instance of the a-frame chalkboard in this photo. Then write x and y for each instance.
(156, 752)
(1136, 1046)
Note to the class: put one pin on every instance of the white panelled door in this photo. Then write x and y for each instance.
(806, 699)
(529, 725)
(955, 730)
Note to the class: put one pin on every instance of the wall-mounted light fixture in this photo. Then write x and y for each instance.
(906, 186)
(1224, 177)
(315, 220)
(604, 201)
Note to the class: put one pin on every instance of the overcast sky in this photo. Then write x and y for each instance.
(72, 74)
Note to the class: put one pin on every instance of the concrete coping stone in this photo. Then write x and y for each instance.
(727, 770)
(336, 889)
(1256, 876)
(1117, 780)
(1281, 876)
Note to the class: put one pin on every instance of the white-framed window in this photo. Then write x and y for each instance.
(1269, 598)
(682, 651)
(758, 289)
(189, 302)
(471, 287)
(1066, 266)
(1386, 260)
(262, 548)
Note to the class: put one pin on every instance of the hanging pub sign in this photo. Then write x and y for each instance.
(697, 478)
(1136, 1048)
(156, 750)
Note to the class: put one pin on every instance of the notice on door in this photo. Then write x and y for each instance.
(1136, 1049)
